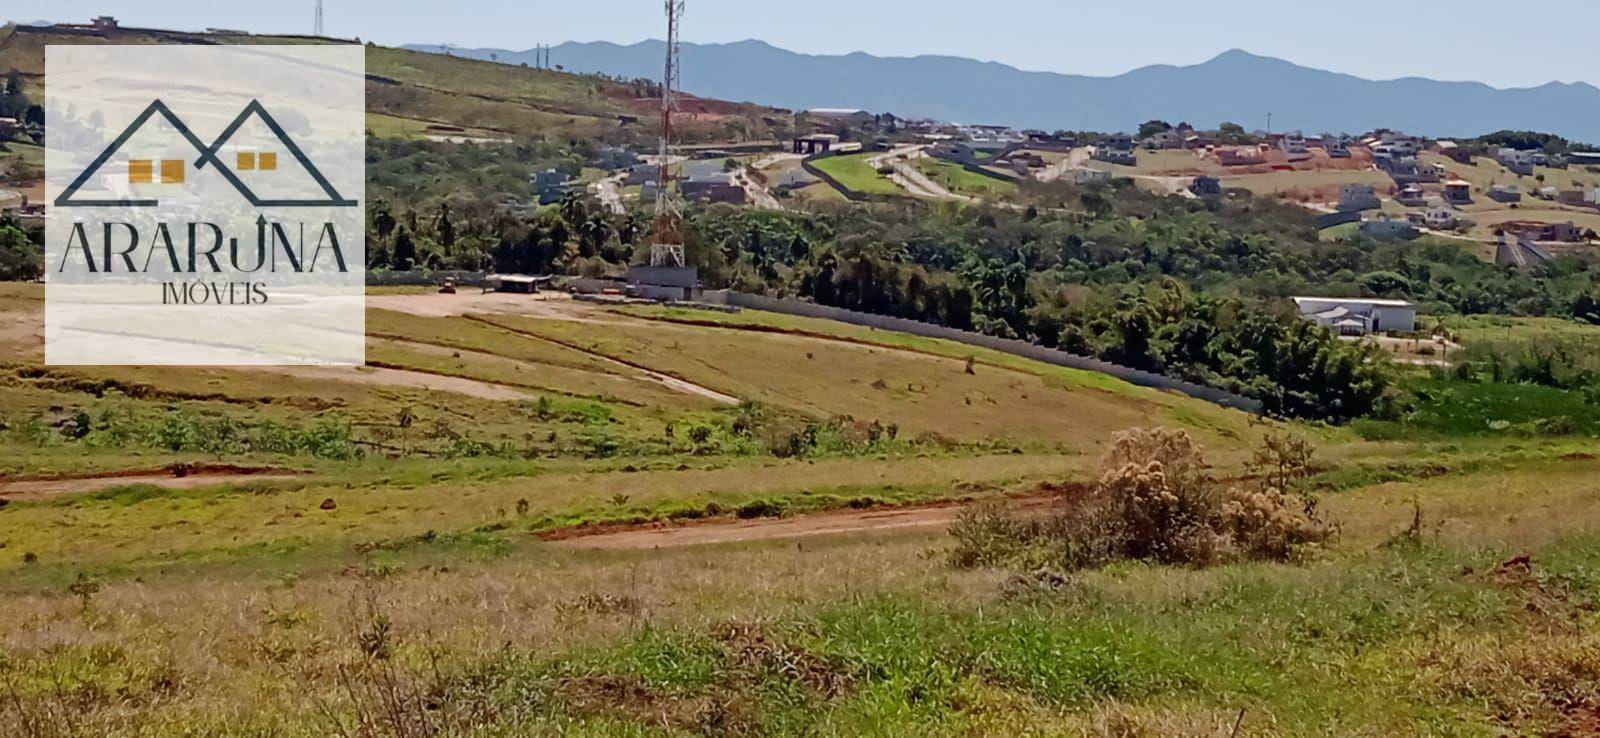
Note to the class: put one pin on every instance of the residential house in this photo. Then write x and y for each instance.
(1458, 192)
(1454, 152)
(9, 128)
(1359, 316)
(1358, 197)
(639, 174)
(1438, 217)
(1592, 196)
(1022, 162)
(1336, 145)
(1385, 228)
(1240, 156)
(717, 187)
(1116, 149)
(1294, 144)
(1517, 160)
(549, 185)
(1572, 197)
(1168, 139)
(1505, 193)
(1206, 187)
(1406, 144)
(1411, 194)
(615, 157)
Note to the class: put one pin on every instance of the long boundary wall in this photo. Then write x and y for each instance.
(1006, 345)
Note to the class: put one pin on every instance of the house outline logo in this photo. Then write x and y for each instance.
(208, 155)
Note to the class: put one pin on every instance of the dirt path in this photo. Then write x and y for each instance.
(391, 377)
(667, 380)
(38, 489)
(931, 515)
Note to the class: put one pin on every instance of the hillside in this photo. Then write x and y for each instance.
(420, 89)
(1235, 86)
(531, 516)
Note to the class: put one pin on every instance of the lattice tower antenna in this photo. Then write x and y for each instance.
(666, 227)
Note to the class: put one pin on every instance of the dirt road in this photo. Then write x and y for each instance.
(38, 489)
(840, 522)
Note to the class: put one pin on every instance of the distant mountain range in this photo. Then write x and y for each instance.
(1235, 86)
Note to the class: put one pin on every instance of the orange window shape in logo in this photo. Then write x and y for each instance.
(172, 171)
(246, 161)
(267, 161)
(140, 171)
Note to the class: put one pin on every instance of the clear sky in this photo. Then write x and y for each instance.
(1501, 42)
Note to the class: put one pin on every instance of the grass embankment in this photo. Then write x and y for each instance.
(959, 180)
(852, 171)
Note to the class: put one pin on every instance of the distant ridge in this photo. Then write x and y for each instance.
(1235, 86)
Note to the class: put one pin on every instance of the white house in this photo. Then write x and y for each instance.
(1406, 143)
(1592, 196)
(1385, 227)
(1438, 217)
(1358, 316)
(1293, 144)
(1517, 160)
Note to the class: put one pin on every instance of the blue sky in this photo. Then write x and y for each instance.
(1502, 43)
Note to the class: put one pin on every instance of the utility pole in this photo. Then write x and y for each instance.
(317, 28)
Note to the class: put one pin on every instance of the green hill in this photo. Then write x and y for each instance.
(423, 88)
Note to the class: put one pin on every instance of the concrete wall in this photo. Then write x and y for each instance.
(1006, 345)
(426, 277)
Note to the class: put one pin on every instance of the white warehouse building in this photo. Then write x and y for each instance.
(1358, 316)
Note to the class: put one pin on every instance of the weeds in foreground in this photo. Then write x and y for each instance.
(1156, 501)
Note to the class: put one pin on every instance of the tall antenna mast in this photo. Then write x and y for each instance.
(318, 27)
(666, 243)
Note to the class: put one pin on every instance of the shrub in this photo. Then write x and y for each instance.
(1155, 501)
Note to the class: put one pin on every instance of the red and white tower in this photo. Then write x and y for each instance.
(666, 231)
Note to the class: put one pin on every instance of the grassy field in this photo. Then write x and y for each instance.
(1487, 328)
(852, 171)
(1383, 633)
(957, 179)
(396, 581)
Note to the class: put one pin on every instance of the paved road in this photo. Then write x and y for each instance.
(908, 176)
(1075, 158)
(609, 190)
(758, 193)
